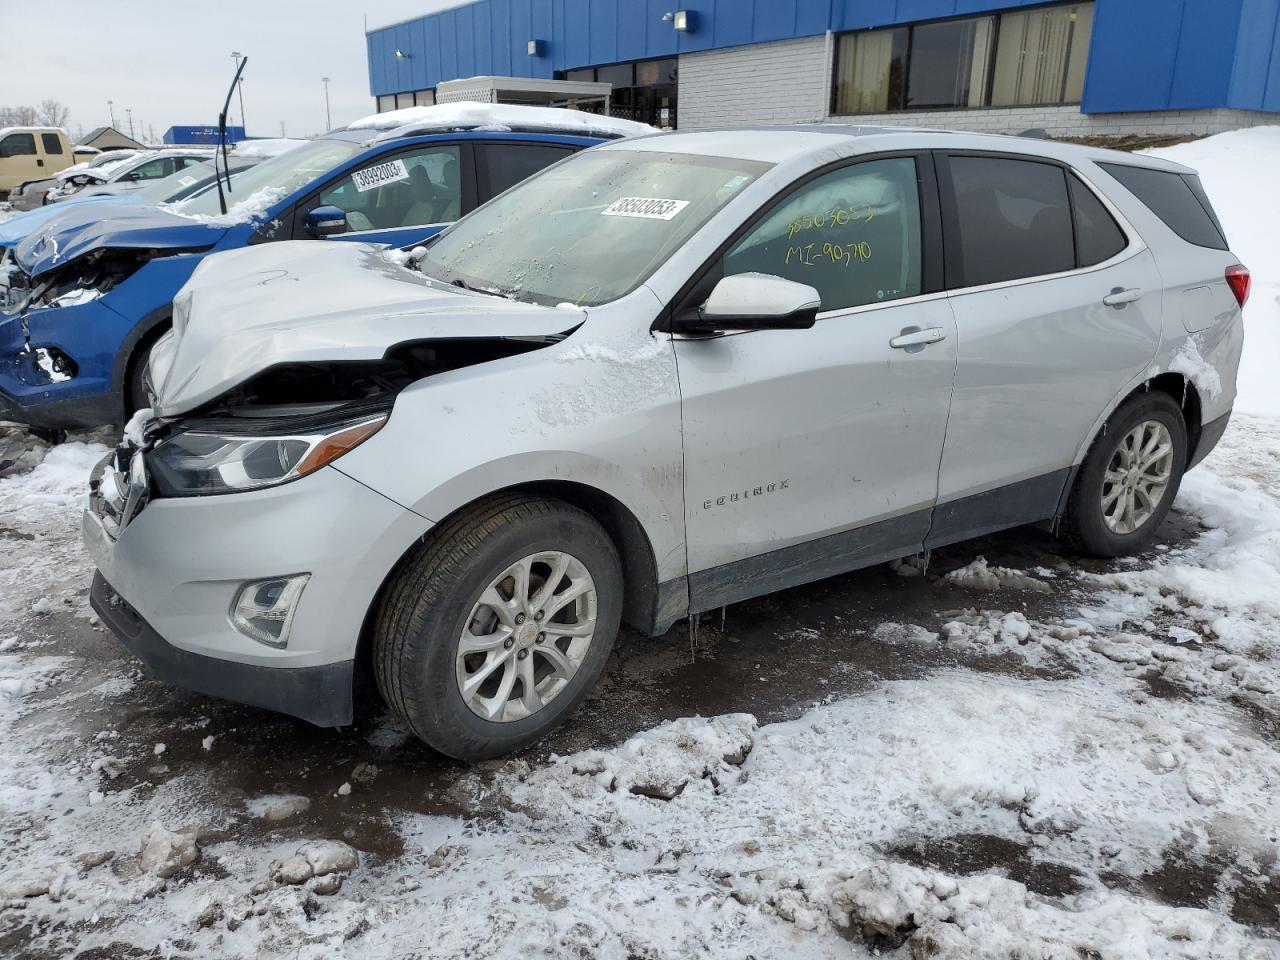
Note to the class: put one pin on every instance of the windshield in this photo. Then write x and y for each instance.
(590, 229)
(175, 183)
(281, 175)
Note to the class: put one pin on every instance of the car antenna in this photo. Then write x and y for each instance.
(222, 139)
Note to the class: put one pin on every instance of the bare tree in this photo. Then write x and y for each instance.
(53, 113)
(18, 116)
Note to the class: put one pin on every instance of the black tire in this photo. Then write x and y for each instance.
(1083, 524)
(135, 388)
(429, 601)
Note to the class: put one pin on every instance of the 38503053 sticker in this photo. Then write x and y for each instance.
(647, 208)
(382, 173)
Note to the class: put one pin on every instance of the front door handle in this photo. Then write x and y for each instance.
(1119, 296)
(913, 339)
(39, 162)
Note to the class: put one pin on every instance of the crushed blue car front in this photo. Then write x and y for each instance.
(68, 338)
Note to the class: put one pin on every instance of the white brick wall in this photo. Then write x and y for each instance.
(789, 82)
(782, 82)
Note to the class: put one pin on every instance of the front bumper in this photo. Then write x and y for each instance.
(321, 694)
(179, 563)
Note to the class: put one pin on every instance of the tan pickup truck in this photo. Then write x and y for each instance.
(27, 153)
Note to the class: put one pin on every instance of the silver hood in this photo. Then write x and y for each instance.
(311, 301)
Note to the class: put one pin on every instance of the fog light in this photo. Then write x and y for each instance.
(263, 610)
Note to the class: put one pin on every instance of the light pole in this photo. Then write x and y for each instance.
(129, 112)
(328, 124)
(111, 109)
(235, 55)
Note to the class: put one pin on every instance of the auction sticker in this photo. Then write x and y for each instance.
(648, 208)
(372, 177)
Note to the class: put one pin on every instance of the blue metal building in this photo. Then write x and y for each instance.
(1105, 66)
(191, 136)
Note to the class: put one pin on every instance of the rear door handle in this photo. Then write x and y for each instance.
(1119, 296)
(913, 338)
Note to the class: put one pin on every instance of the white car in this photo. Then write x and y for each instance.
(667, 374)
(134, 173)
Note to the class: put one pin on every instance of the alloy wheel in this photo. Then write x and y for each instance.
(527, 635)
(1137, 477)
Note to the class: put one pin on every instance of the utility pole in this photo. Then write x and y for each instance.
(282, 133)
(111, 109)
(328, 124)
(235, 55)
(129, 112)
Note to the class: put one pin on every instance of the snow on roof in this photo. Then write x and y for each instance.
(469, 115)
(266, 147)
(5, 131)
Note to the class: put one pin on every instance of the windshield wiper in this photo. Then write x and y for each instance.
(222, 139)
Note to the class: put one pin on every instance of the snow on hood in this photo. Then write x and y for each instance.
(306, 301)
(469, 115)
(130, 227)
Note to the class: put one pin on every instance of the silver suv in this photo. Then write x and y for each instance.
(664, 375)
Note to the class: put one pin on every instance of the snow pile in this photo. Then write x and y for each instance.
(1237, 170)
(469, 115)
(978, 575)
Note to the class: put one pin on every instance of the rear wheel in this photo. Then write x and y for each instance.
(1127, 483)
(496, 629)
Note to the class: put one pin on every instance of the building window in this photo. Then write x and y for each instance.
(386, 102)
(1024, 58)
(644, 90)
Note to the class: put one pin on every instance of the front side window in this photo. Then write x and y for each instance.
(852, 234)
(151, 170)
(52, 143)
(1019, 58)
(18, 145)
(408, 190)
(588, 230)
(1013, 218)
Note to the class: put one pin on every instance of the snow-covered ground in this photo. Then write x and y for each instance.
(1078, 759)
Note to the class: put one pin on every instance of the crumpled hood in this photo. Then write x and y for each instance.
(313, 301)
(14, 230)
(131, 226)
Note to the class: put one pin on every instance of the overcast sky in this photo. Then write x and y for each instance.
(170, 63)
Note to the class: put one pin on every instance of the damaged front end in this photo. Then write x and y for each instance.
(37, 357)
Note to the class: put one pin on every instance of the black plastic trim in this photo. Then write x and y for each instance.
(1013, 505)
(1210, 434)
(805, 562)
(319, 695)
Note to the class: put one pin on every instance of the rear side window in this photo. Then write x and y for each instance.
(1013, 219)
(504, 165)
(1176, 199)
(1098, 236)
(52, 144)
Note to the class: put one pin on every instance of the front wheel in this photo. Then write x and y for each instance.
(489, 636)
(1127, 483)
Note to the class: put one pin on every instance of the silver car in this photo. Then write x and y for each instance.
(665, 375)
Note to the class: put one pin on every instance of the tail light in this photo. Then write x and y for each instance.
(1239, 281)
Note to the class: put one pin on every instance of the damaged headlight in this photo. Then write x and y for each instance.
(200, 462)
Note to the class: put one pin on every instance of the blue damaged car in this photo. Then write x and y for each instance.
(93, 290)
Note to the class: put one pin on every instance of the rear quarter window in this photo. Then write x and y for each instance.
(1177, 199)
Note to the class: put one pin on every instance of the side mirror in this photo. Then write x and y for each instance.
(755, 301)
(326, 221)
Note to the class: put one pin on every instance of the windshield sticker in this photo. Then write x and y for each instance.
(371, 178)
(647, 208)
(186, 181)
